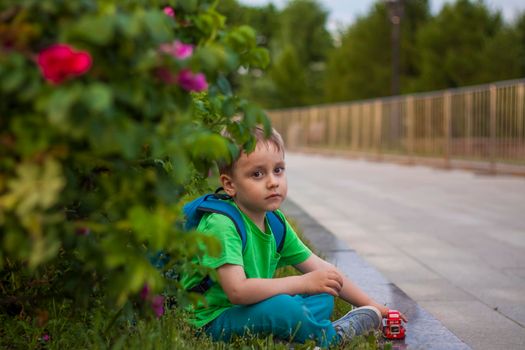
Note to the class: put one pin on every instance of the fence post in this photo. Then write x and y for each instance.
(366, 123)
(428, 127)
(410, 127)
(345, 126)
(492, 142)
(468, 122)
(520, 111)
(447, 110)
(332, 125)
(378, 124)
(354, 119)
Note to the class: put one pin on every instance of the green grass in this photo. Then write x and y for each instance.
(168, 332)
(69, 328)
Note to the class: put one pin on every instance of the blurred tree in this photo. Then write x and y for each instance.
(461, 45)
(289, 78)
(502, 57)
(303, 26)
(252, 83)
(520, 30)
(298, 42)
(299, 56)
(452, 45)
(361, 66)
(264, 19)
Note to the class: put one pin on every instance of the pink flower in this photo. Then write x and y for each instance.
(192, 82)
(144, 293)
(169, 11)
(177, 49)
(46, 337)
(157, 304)
(59, 62)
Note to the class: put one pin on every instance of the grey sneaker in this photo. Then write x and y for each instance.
(357, 322)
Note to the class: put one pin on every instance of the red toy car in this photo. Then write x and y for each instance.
(393, 326)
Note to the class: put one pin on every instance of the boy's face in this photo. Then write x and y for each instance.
(258, 182)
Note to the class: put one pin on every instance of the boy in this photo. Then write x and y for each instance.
(246, 299)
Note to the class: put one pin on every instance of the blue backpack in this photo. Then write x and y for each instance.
(219, 203)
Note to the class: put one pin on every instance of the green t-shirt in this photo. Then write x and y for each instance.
(260, 259)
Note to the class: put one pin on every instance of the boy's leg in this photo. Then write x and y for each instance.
(320, 305)
(295, 318)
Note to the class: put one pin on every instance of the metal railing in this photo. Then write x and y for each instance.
(482, 124)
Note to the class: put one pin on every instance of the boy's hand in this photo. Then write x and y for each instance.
(323, 281)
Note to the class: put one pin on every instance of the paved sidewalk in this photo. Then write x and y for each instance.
(422, 332)
(452, 241)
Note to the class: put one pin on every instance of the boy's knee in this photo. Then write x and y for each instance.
(327, 300)
(287, 307)
(283, 302)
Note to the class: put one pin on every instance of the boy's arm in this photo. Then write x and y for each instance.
(244, 291)
(349, 292)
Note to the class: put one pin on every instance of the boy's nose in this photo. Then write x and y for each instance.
(273, 181)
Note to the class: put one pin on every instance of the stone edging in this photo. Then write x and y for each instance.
(423, 330)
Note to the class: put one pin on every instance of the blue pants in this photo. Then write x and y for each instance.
(292, 318)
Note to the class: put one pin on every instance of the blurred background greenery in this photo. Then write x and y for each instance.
(466, 42)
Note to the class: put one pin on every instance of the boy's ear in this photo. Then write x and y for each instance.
(227, 184)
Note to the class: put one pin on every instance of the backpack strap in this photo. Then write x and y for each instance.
(278, 227)
(217, 203)
(220, 206)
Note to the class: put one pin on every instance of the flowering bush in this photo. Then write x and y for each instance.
(103, 135)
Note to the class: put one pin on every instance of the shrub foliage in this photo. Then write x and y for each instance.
(110, 116)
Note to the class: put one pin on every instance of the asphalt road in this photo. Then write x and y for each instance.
(452, 240)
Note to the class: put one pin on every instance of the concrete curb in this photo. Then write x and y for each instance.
(423, 330)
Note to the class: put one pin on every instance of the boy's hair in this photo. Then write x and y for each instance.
(274, 139)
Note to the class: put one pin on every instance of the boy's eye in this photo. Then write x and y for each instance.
(257, 174)
(279, 170)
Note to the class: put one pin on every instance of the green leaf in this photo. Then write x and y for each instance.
(42, 250)
(241, 38)
(229, 107)
(248, 35)
(209, 58)
(210, 146)
(115, 251)
(181, 165)
(224, 85)
(122, 137)
(251, 114)
(138, 275)
(151, 226)
(259, 57)
(98, 97)
(60, 103)
(34, 187)
(156, 23)
(188, 6)
(94, 29)
(13, 80)
(131, 26)
(15, 243)
(12, 72)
